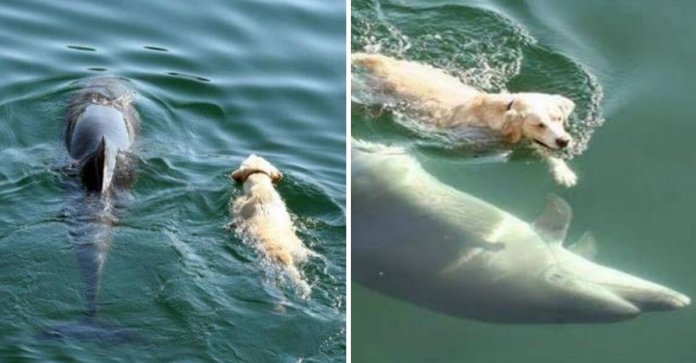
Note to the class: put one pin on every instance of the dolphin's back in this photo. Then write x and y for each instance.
(397, 176)
(100, 127)
(106, 106)
(98, 122)
(420, 240)
(101, 123)
(403, 211)
(426, 242)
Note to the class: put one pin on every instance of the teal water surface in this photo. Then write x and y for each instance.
(628, 67)
(215, 81)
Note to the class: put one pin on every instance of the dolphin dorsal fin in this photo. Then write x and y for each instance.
(94, 168)
(586, 246)
(553, 224)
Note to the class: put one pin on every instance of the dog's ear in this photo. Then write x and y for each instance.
(513, 132)
(238, 175)
(276, 176)
(566, 105)
(512, 128)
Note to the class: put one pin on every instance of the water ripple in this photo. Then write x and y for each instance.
(244, 76)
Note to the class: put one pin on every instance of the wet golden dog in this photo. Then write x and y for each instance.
(261, 216)
(446, 102)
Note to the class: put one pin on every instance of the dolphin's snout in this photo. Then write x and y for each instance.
(645, 296)
(649, 296)
(681, 301)
(659, 300)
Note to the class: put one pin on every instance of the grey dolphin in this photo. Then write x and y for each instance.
(420, 240)
(100, 127)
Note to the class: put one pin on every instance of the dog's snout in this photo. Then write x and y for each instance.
(562, 142)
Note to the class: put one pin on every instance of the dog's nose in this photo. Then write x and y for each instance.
(562, 142)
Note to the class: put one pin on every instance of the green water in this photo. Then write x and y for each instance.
(628, 65)
(216, 80)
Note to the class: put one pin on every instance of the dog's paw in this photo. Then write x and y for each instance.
(566, 179)
(562, 173)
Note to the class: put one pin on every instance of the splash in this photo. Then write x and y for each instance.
(290, 277)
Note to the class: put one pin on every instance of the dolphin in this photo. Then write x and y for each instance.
(419, 240)
(100, 128)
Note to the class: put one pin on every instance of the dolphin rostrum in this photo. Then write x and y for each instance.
(100, 128)
(419, 240)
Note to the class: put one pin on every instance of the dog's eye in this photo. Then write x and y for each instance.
(541, 126)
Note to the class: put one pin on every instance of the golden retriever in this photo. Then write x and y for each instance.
(261, 216)
(446, 102)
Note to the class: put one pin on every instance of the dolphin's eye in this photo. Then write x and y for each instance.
(557, 277)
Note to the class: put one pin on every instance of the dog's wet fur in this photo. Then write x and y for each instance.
(444, 101)
(260, 215)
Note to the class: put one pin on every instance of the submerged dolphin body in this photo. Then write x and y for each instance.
(101, 125)
(417, 239)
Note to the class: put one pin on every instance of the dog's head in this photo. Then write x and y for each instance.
(539, 117)
(256, 164)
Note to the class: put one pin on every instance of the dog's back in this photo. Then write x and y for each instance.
(261, 216)
(423, 84)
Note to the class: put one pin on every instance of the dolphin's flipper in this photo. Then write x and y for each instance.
(553, 224)
(586, 246)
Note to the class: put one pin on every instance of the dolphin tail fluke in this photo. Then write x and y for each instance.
(98, 169)
(93, 330)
